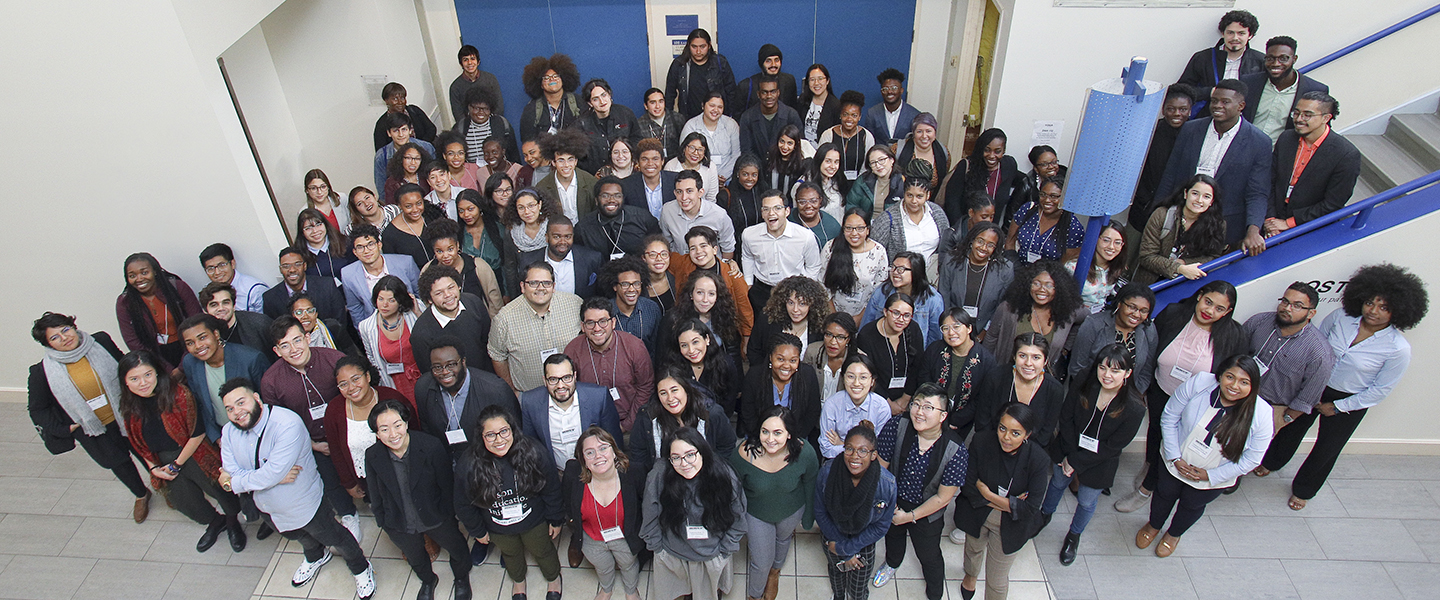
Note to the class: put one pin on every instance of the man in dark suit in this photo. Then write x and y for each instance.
(329, 300)
(573, 187)
(649, 187)
(1274, 92)
(1236, 154)
(576, 267)
(761, 124)
(1314, 169)
(617, 228)
(1230, 58)
(892, 106)
(450, 396)
(574, 404)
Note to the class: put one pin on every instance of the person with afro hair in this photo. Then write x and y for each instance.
(551, 84)
(1379, 302)
(572, 186)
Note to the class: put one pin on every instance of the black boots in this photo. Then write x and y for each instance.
(1067, 550)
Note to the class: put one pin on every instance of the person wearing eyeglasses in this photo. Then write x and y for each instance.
(1295, 360)
(855, 404)
(828, 358)
(1043, 299)
(1274, 92)
(612, 359)
(895, 343)
(616, 229)
(1043, 230)
(220, 266)
(451, 394)
(973, 275)
(776, 249)
(635, 313)
(532, 327)
(999, 506)
(347, 421)
(694, 512)
(603, 507)
(909, 275)
(325, 293)
(371, 265)
(507, 493)
(324, 333)
(1128, 325)
(1314, 169)
(854, 505)
(958, 364)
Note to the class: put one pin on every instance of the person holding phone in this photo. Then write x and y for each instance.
(854, 505)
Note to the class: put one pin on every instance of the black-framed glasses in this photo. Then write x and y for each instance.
(540, 284)
(444, 367)
(688, 457)
(1284, 304)
(497, 434)
(567, 378)
(860, 452)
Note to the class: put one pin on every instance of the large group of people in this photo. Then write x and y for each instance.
(815, 318)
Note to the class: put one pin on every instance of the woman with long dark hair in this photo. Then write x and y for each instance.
(1043, 299)
(1183, 233)
(776, 468)
(741, 195)
(1195, 336)
(854, 504)
(509, 496)
(403, 168)
(909, 276)
(999, 508)
(819, 108)
(797, 306)
(705, 297)
(678, 403)
(365, 207)
(824, 172)
(974, 276)
(695, 156)
(480, 233)
(789, 160)
(151, 308)
(894, 342)
(347, 420)
(328, 248)
(603, 504)
(697, 352)
(694, 519)
(987, 168)
(1109, 270)
(323, 198)
(1211, 434)
(659, 281)
(828, 358)
(1044, 230)
(1022, 379)
(782, 381)
(620, 160)
(167, 434)
(405, 233)
(959, 365)
(854, 264)
(1101, 416)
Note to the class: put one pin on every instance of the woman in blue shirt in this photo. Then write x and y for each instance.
(1046, 231)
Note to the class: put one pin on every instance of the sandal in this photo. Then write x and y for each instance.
(1145, 536)
(1260, 472)
(1167, 545)
(1297, 503)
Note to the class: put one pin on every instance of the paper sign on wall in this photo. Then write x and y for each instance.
(1046, 133)
(374, 84)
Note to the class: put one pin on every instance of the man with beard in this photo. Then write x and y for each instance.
(450, 395)
(532, 327)
(451, 312)
(612, 359)
(265, 451)
(576, 267)
(761, 124)
(889, 121)
(747, 92)
(1275, 91)
(1314, 169)
(1230, 58)
(324, 291)
(617, 228)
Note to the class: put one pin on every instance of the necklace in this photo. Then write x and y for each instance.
(384, 322)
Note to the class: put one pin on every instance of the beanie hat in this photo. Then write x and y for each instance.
(769, 50)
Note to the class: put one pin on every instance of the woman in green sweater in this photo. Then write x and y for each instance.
(777, 470)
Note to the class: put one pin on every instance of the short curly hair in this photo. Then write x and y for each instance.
(1403, 291)
(1062, 304)
(560, 64)
(807, 289)
(566, 141)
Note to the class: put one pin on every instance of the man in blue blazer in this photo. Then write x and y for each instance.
(564, 399)
(1236, 154)
(324, 292)
(892, 103)
(207, 351)
(370, 262)
(576, 267)
(1265, 104)
(648, 175)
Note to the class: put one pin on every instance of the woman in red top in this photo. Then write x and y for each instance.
(602, 507)
(386, 336)
(151, 308)
(347, 420)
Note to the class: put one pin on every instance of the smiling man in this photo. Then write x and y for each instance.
(573, 187)
(243, 327)
(1175, 112)
(760, 125)
(559, 411)
(1230, 58)
(450, 395)
(1275, 91)
(1314, 169)
(576, 267)
(532, 327)
(889, 121)
(323, 291)
(396, 102)
(617, 228)
(776, 248)
(472, 77)
(614, 360)
(690, 210)
(210, 362)
(219, 264)
(371, 264)
(452, 312)
(649, 186)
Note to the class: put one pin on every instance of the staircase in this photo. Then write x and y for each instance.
(1409, 148)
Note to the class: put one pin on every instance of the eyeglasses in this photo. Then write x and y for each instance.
(1145, 310)
(569, 378)
(293, 343)
(611, 196)
(540, 284)
(1304, 115)
(597, 450)
(353, 382)
(550, 78)
(497, 434)
(897, 315)
(1051, 196)
(889, 88)
(596, 324)
(951, 328)
(879, 161)
(654, 255)
(837, 336)
(1042, 285)
(1048, 163)
(1284, 304)
(900, 269)
(445, 367)
(772, 209)
(366, 247)
(301, 312)
(919, 407)
(860, 452)
(629, 285)
(855, 228)
(688, 457)
(63, 331)
(316, 188)
(217, 267)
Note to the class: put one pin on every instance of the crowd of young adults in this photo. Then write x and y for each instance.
(815, 319)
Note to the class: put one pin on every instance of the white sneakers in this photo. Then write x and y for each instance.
(365, 583)
(307, 571)
(882, 576)
(957, 537)
(352, 522)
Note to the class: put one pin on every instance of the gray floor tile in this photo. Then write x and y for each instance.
(76, 464)
(1427, 535)
(1416, 581)
(41, 535)
(112, 538)
(101, 498)
(1325, 580)
(1270, 497)
(176, 543)
(1403, 499)
(24, 459)
(128, 579)
(1139, 577)
(1241, 579)
(31, 495)
(1068, 582)
(1266, 537)
(44, 577)
(199, 582)
(1386, 466)
(1365, 539)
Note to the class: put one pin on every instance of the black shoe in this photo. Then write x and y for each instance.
(478, 552)
(1105, 491)
(212, 534)
(1232, 489)
(1067, 550)
(967, 594)
(236, 533)
(1045, 521)
(552, 595)
(462, 588)
(265, 530)
(427, 590)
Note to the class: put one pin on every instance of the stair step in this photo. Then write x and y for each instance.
(1385, 163)
(1362, 191)
(1418, 134)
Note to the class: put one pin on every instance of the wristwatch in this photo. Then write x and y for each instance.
(1287, 418)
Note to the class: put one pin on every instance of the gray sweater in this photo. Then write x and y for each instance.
(717, 544)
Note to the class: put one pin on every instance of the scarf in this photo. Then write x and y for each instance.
(320, 336)
(850, 505)
(179, 424)
(523, 242)
(69, 396)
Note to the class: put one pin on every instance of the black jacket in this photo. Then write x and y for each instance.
(419, 121)
(1324, 186)
(758, 134)
(252, 329)
(620, 125)
(329, 301)
(623, 233)
(1029, 474)
(429, 478)
(485, 389)
(632, 488)
(963, 405)
(642, 449)
(998, 390)
(471, 326)
(747, 92)
(53, 423)
(1006, 201)
(634, 188)
(1207, 67)
(587, 266)
(1162, 143)
(1171, 321)
(690, 84)
(761, 333)
(1095, 469)
(758, 395)
(1255, 85)
(499, 128)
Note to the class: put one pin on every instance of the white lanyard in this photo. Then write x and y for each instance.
(614, 362)
(620, 231)
(1276, 355)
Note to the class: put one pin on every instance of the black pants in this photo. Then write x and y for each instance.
(1171, 491)
(925, 537)
(322, 531)
(190, 487)
(412, 545)
(1155, 401)
(759, 295)
(1334, 433)
(112, 451)
(339, 499)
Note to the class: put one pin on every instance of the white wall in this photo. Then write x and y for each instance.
(929, 59)
(1048, 56)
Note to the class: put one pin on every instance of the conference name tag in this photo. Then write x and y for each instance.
(317, 412)
(455, 436)
(897, 382)
(973, 311)
(97, 402)
(1001, 490)
(1032, 257)
(1263, 367)
(394, 368)
(511, 511)
(1199, 449)
(615, 394)
(547, 353)
(1180, 373)
(610, 534)
(617, 255)
(162, 338)
(696, 532)
(1089, 443)
(852, 174)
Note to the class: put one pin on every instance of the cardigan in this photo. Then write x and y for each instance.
(1029, 473)
(1098, 332)
(758, 395)
(428, 477)
(337, 431)
(1000, 336)
(889, 230)
(1095, 469)
(141, 335)
(632, 482)
(953, 282)
(771, 497)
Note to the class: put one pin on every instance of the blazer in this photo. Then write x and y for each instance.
(632, 490)
(1323, 187)
(324, 293)
(596, 408)
(1095, 469)
(1097, 332)
(998, 389)
(358, 291)
(634, 189)
(587, 266)
(428, 477)
(1006, 202)
(874, 120)
(1207, 67)
(1244, 173)
(1255, 85)
(758, 395)
(252, 329)
(1031, 476)
(240, 361)
(53, 423)
(485, 389)
(953, 279)
(584, 191)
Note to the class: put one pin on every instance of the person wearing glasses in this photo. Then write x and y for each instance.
(895, 343)
(1128, 325)
(973, 276)
(218, 260)
(695, 511)
(603, 509)
(1042, 230)
(999, 508)
(854, 505)
(798, 307)
(635, 313)
(1046, 165)
(531, 328)
(324, 333)
(614, 360)
(809, 201)
(616, 229)
(909, 276)
(347, 421)
(856, 404)
(451, 394)
(829, 358)
(508, 494)
(1305, 190)
(776, 249)
(1043, 299)
(929, 464)
(370, 266)
(854, 264)
(958, 364)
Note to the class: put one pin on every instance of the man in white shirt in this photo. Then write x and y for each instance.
(219, 264)
(576, 267)
(574, 188)
(690, 210)
(442, 193)
(776, 248)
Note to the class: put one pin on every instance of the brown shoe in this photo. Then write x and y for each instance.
(1167, 545)
(575, 555)
(772, 585)
(142, 508)
(1145, 536)
(432, 548)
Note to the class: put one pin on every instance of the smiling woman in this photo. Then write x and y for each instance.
(151, 308)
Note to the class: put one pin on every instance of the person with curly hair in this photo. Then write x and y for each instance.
(551, 84)
(698, 72)
(572, 186)
(705, 298)
(1183, 233)
(797, 306)
(403, 168)
(851, 139)
(526, 219)
(395, 102)
(482, 124)
(1371, 355)
(1043, 230)
(1043, 298)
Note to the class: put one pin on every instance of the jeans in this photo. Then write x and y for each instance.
(339, 499)
(1089, 497)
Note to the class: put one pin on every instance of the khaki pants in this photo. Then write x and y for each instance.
(997, 562)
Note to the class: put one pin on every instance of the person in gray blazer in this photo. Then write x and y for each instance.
(976, 256)
(563, 398)
(205, 349)
(1128, 325)
(370, 262)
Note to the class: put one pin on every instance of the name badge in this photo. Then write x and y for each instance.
(317, 412)
(394, 368)
(1032, 257)
(1002, 491)
(547, 353)
(1199, 449)
(162, 338)
(511, 511)
(615, 394)
(973, 311)
(696, 532)
(455, 436)
(617, 255)
(1263, 368)
(610, 534)
(1180, 373)
(1289, 190)
(897, 382)
(851, 174)
(98, 402)
(1090, 443)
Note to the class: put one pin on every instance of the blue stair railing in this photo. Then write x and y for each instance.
(1372, 38)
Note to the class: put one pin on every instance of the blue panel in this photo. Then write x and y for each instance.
(1110, 152)
(681, 24)
(743, 26)
(857, 39)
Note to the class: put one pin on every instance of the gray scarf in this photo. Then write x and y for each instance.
(70, 397)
